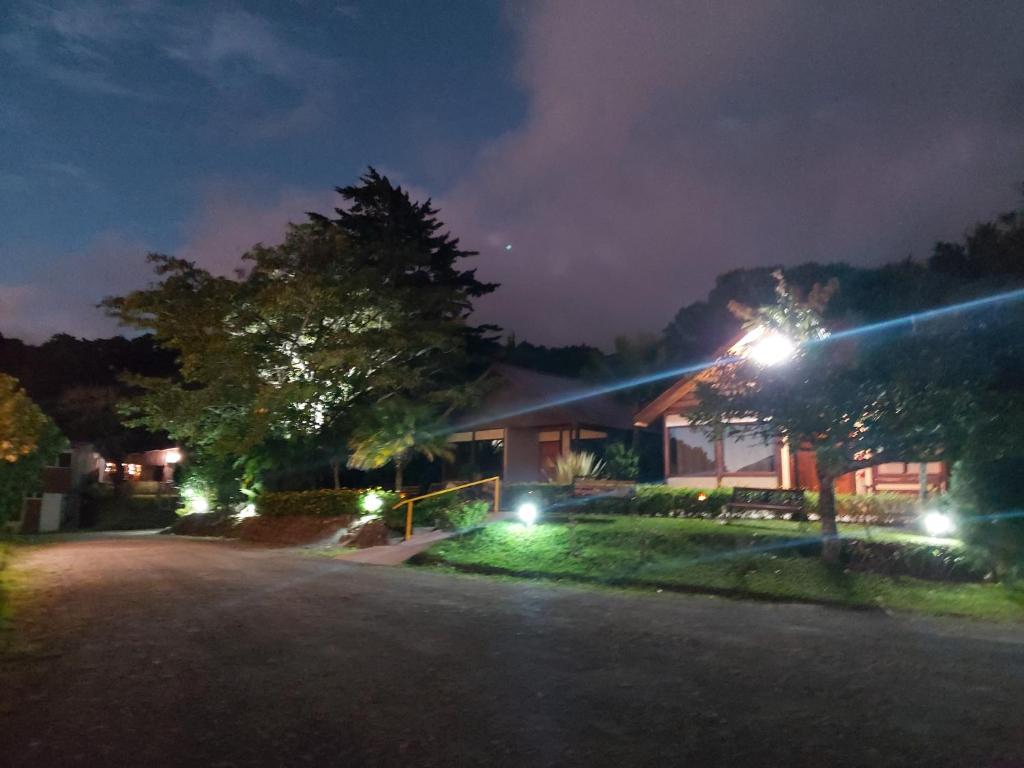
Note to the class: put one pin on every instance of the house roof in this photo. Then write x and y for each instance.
(683, 389)
(522, 397)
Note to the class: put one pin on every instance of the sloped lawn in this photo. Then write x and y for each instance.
(771, 560)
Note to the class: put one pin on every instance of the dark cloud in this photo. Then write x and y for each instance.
(667, 142)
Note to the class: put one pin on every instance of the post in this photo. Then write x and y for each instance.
(408, 520)
(497, 495)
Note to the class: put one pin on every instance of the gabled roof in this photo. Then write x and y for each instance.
(521, 397)
(683, 389)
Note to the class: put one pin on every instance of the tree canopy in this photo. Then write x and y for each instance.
(346, 312)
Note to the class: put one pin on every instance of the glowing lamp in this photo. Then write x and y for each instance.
(771, 348)
(372, 502)
(527, 513)
(249, 510)
(938, 524)
(172, 456)
(199, 504)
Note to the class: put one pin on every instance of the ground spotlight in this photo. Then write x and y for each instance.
(938, 524)
(527, 512)
(372, 502)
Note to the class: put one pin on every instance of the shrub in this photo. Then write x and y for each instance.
(569, 466)
(621, 462)
(464, 514)
(989, 496)
(448, 512)
(104, 510)
(325, 502)
(873, 509)
(672, 501)
(423, 513)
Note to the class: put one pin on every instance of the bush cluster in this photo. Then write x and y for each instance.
(673, 501)
(873, 509)
(448, 512)
(343, 502)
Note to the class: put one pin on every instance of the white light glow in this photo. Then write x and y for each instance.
(938, 524)
(372, 502)
(527, 513)
(172, 456)
(771, 348)
(199, 504)
(249, 510)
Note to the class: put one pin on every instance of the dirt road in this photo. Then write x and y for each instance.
(152, 651)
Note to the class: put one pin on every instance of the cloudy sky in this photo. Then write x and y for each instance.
(627, 151)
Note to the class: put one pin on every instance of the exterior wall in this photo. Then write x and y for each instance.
(522, 455)
(50, 512)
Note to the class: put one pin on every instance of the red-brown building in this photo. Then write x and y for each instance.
(692, 459)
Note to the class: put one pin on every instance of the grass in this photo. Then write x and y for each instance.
(8, 582)
(744, 559)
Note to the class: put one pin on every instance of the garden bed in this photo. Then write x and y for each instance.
(770, 561)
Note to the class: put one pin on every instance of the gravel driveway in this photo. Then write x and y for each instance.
(152, 651)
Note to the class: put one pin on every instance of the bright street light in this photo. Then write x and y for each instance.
(771, 348)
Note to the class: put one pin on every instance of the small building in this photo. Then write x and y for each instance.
(149, 467)
(527, 419)
(56, 502)
(692, 459)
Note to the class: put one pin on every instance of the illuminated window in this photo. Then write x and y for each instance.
(110, 468)
(133, 470)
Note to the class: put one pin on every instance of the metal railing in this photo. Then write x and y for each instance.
(409, 502)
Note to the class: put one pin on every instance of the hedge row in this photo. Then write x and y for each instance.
(673, 501)
(325, 502)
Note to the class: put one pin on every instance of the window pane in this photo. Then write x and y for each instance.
(690, 452)
(747, 452)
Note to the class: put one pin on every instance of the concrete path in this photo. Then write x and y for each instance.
(162, 652)
(396, 554)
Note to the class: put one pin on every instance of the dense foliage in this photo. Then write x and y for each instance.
(344, 502)
(345, 313)
(28, 441)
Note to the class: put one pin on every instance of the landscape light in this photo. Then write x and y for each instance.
(249, 510)
(172, 456)
(527, 513)
(199, 504)
(771, 348)
(938, 524)
(372, 502)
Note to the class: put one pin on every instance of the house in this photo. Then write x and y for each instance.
(153, 467)
(57, 500)
(692, 459)
(527, 419)
(57, 504)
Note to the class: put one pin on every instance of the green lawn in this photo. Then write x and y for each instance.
(744, 558)
(6, 587)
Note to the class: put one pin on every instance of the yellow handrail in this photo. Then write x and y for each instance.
(409, 502)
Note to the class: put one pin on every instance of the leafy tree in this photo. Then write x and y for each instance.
(837, 397)
(346, 312)
(28, 439)
(22, 423)
(395, 430)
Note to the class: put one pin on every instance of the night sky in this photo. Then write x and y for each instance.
(627, 151)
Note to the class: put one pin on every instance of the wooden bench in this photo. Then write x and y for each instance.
(782, 500)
